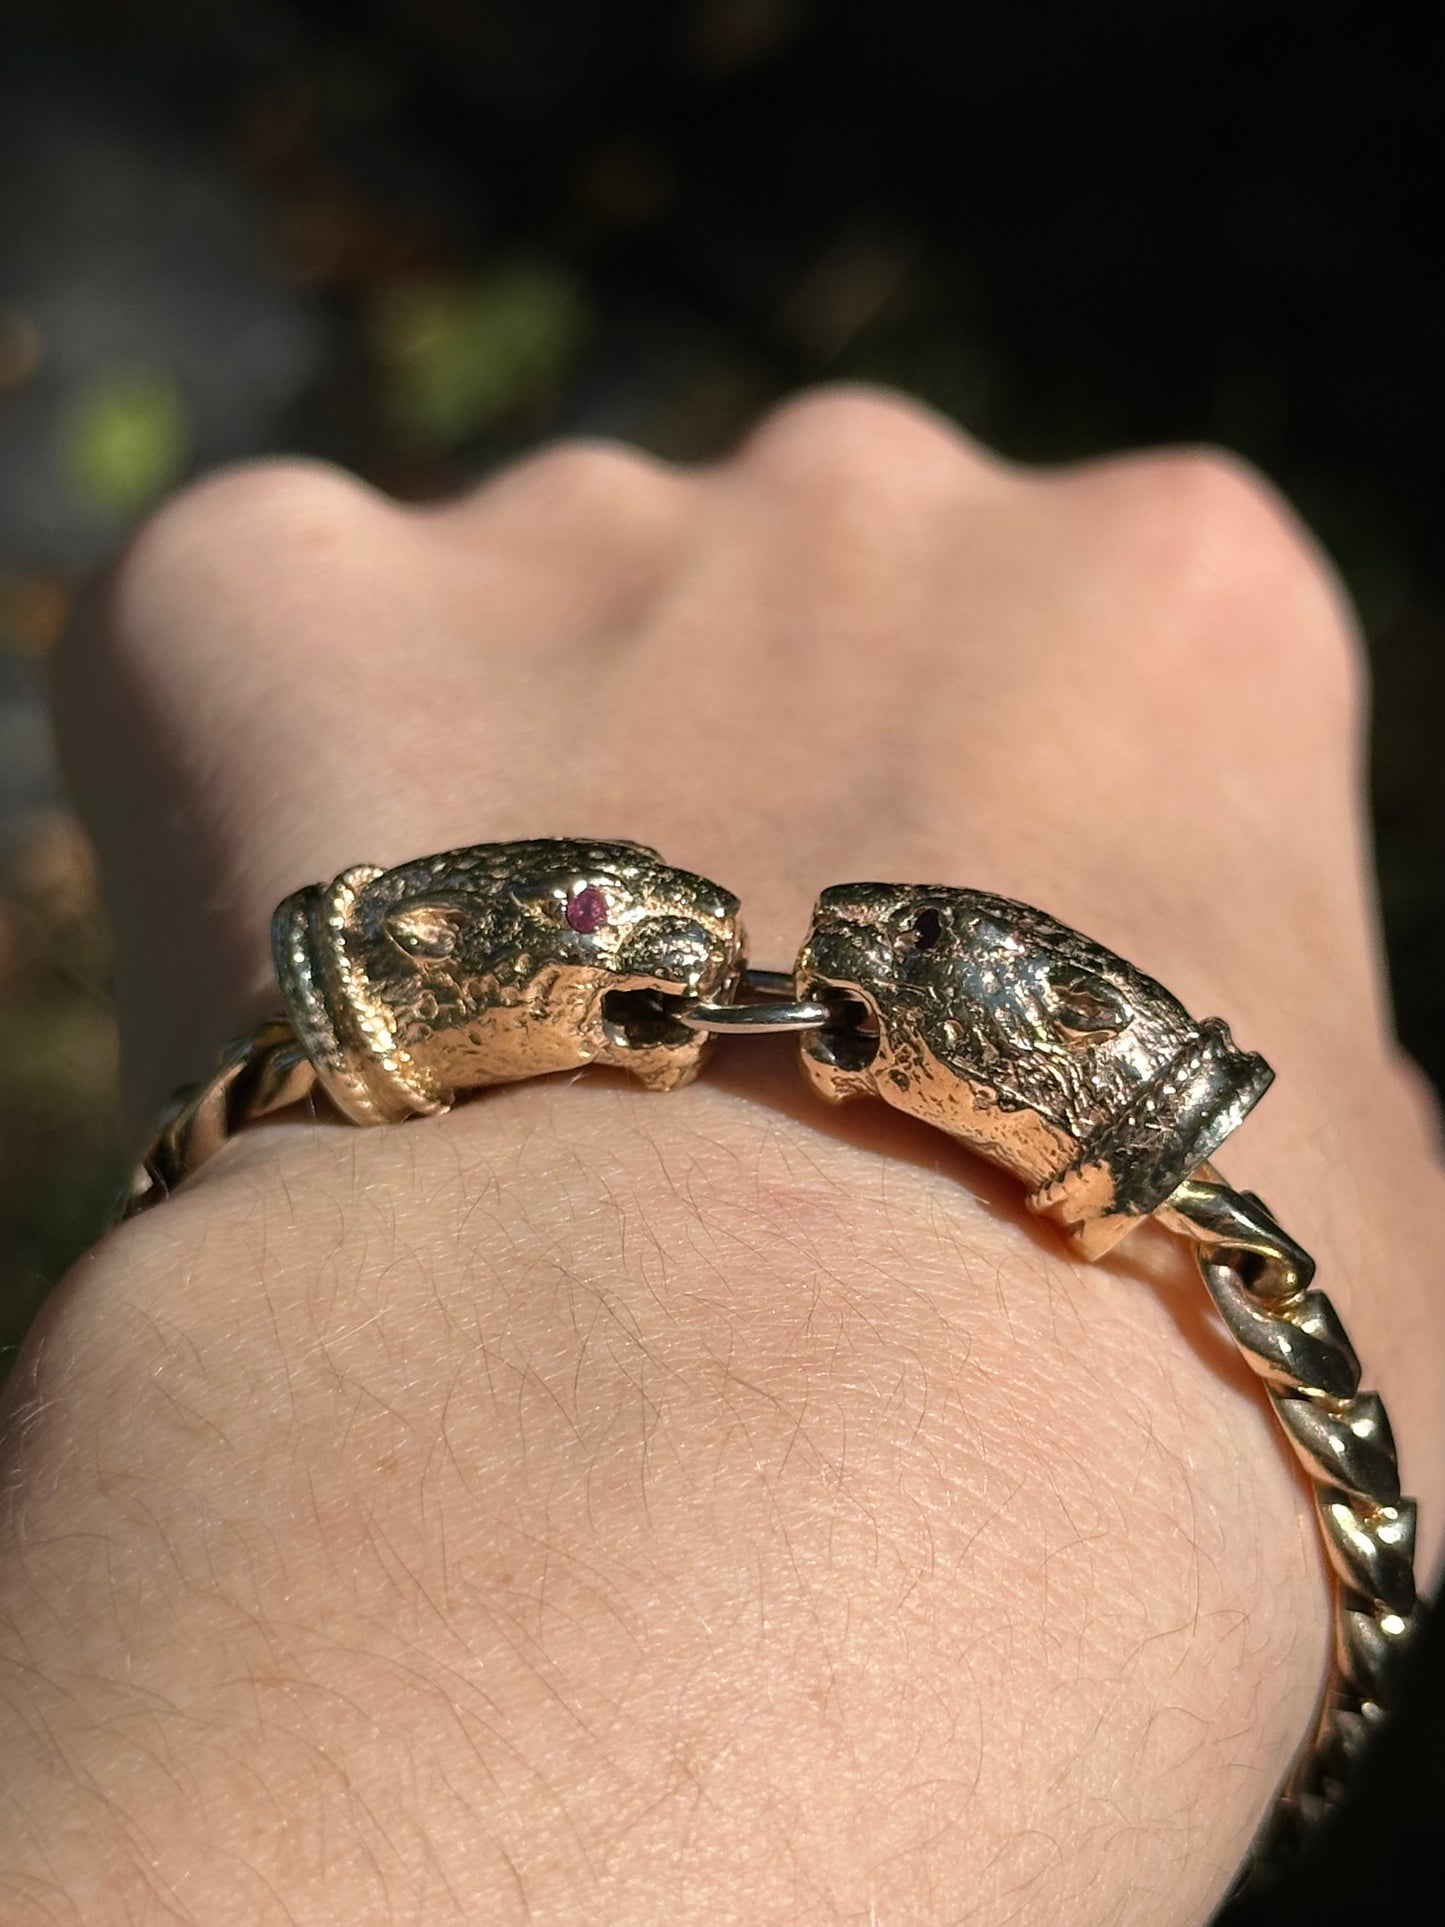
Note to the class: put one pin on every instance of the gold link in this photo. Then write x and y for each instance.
(161, 1153)
(1345, 1442)
(1291, 1335)
(283, 1075)
(1302, 1349)
(203, 1126)
(1313, 1809)
(1369, 1648)
(283, 1085)
(1349, 1732)
(1373, 1552)
(255, 1077)
(146, 1186)
(1227, 1222)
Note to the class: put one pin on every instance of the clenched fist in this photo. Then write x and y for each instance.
(597, 1506)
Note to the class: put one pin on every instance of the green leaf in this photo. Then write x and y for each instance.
(457, 356)
(125, 438)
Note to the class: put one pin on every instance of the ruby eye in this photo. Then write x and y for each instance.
(587, 911)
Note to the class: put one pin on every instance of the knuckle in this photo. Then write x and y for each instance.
(595, 499)
(252, 505)
(226, 526)
(590, 464)
(847, 436)
(580, 477)
(1213, 528)
(1209, 491)
(239, 533)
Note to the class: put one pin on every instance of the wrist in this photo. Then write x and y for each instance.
(668, 1472)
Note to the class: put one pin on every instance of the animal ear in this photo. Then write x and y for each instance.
(1084, 1007)
(427, 929)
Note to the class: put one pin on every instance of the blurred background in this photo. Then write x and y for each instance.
(415, 235)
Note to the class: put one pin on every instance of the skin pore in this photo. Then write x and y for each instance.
(603, 1506)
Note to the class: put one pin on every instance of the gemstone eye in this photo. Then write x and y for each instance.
(586, 910)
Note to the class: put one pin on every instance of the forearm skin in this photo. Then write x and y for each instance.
(598, 1507)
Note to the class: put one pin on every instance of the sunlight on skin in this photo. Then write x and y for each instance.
(597, 1505)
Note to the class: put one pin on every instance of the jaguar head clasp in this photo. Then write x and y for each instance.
(1039, 1049)
(498, 962)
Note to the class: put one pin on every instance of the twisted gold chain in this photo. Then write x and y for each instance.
(1291, 1335)
(254, 1078)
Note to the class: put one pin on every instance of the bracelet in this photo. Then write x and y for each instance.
(1040, 1050)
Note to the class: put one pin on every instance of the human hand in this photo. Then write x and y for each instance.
(600, 1506)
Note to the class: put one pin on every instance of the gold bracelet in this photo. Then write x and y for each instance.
(1039, 1049)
